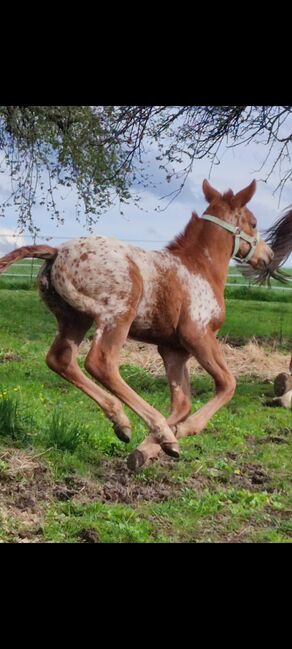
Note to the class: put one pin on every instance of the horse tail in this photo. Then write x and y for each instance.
(41, 252)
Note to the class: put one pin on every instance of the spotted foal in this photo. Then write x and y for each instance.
(173, 298)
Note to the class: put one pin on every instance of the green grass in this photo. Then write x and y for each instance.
(262, 320)
(232, 483)
(257, 294)
(62, 434)
(239, 288)
(21, 275)
(13, 423)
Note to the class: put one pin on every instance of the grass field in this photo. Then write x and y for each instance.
(63, 476)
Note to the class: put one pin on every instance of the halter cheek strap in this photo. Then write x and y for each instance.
(238, 234)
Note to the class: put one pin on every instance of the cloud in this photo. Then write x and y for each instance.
(9, 239)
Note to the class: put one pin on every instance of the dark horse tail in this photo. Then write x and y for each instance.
(279, 238)
(41, 252)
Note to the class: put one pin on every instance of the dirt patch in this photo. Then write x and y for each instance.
(118, 485)
(6, 358)
(241, 536)
(252, 476)
(274, 439)
(231, 455)
(250, 359)
(245, 476)
(279, 514)
(89, 535)
(270, 438)
(24, 490)
(27, 489)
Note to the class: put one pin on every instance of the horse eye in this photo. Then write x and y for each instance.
(254, 225)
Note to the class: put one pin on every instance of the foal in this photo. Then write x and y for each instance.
(173, 298)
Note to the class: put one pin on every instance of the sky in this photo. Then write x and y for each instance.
(151, 229)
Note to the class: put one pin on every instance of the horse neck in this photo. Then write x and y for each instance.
(217, 245)
(205, 249)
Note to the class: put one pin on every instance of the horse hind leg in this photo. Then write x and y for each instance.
(61, 357)
(103, 362)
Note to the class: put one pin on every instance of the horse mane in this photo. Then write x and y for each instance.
(187, 237)
(279, 238)
(182, 240)
(228, 197)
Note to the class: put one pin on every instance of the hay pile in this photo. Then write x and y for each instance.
(251, 359)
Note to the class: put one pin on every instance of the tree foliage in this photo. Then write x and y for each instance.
(100, 150)
(70, 147)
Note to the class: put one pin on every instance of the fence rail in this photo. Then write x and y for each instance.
(33, 265)
(31, 276)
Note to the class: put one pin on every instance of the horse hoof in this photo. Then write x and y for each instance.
(135, 460)
(124, 434)
(170, 449)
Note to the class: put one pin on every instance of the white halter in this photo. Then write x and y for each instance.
(239, 234)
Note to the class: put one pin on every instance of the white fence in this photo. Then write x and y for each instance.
(31, 266)
(283, 287)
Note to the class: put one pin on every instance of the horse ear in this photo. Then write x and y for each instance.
(209, 191)
(245, 195)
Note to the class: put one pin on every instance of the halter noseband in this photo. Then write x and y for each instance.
(239, 234)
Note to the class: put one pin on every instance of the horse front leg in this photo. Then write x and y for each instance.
(179, 383)
(180, 393)
(207, 351)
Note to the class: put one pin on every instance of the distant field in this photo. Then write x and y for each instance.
(239, 288)
(21, 275)
(235, 277)
(23, 312)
